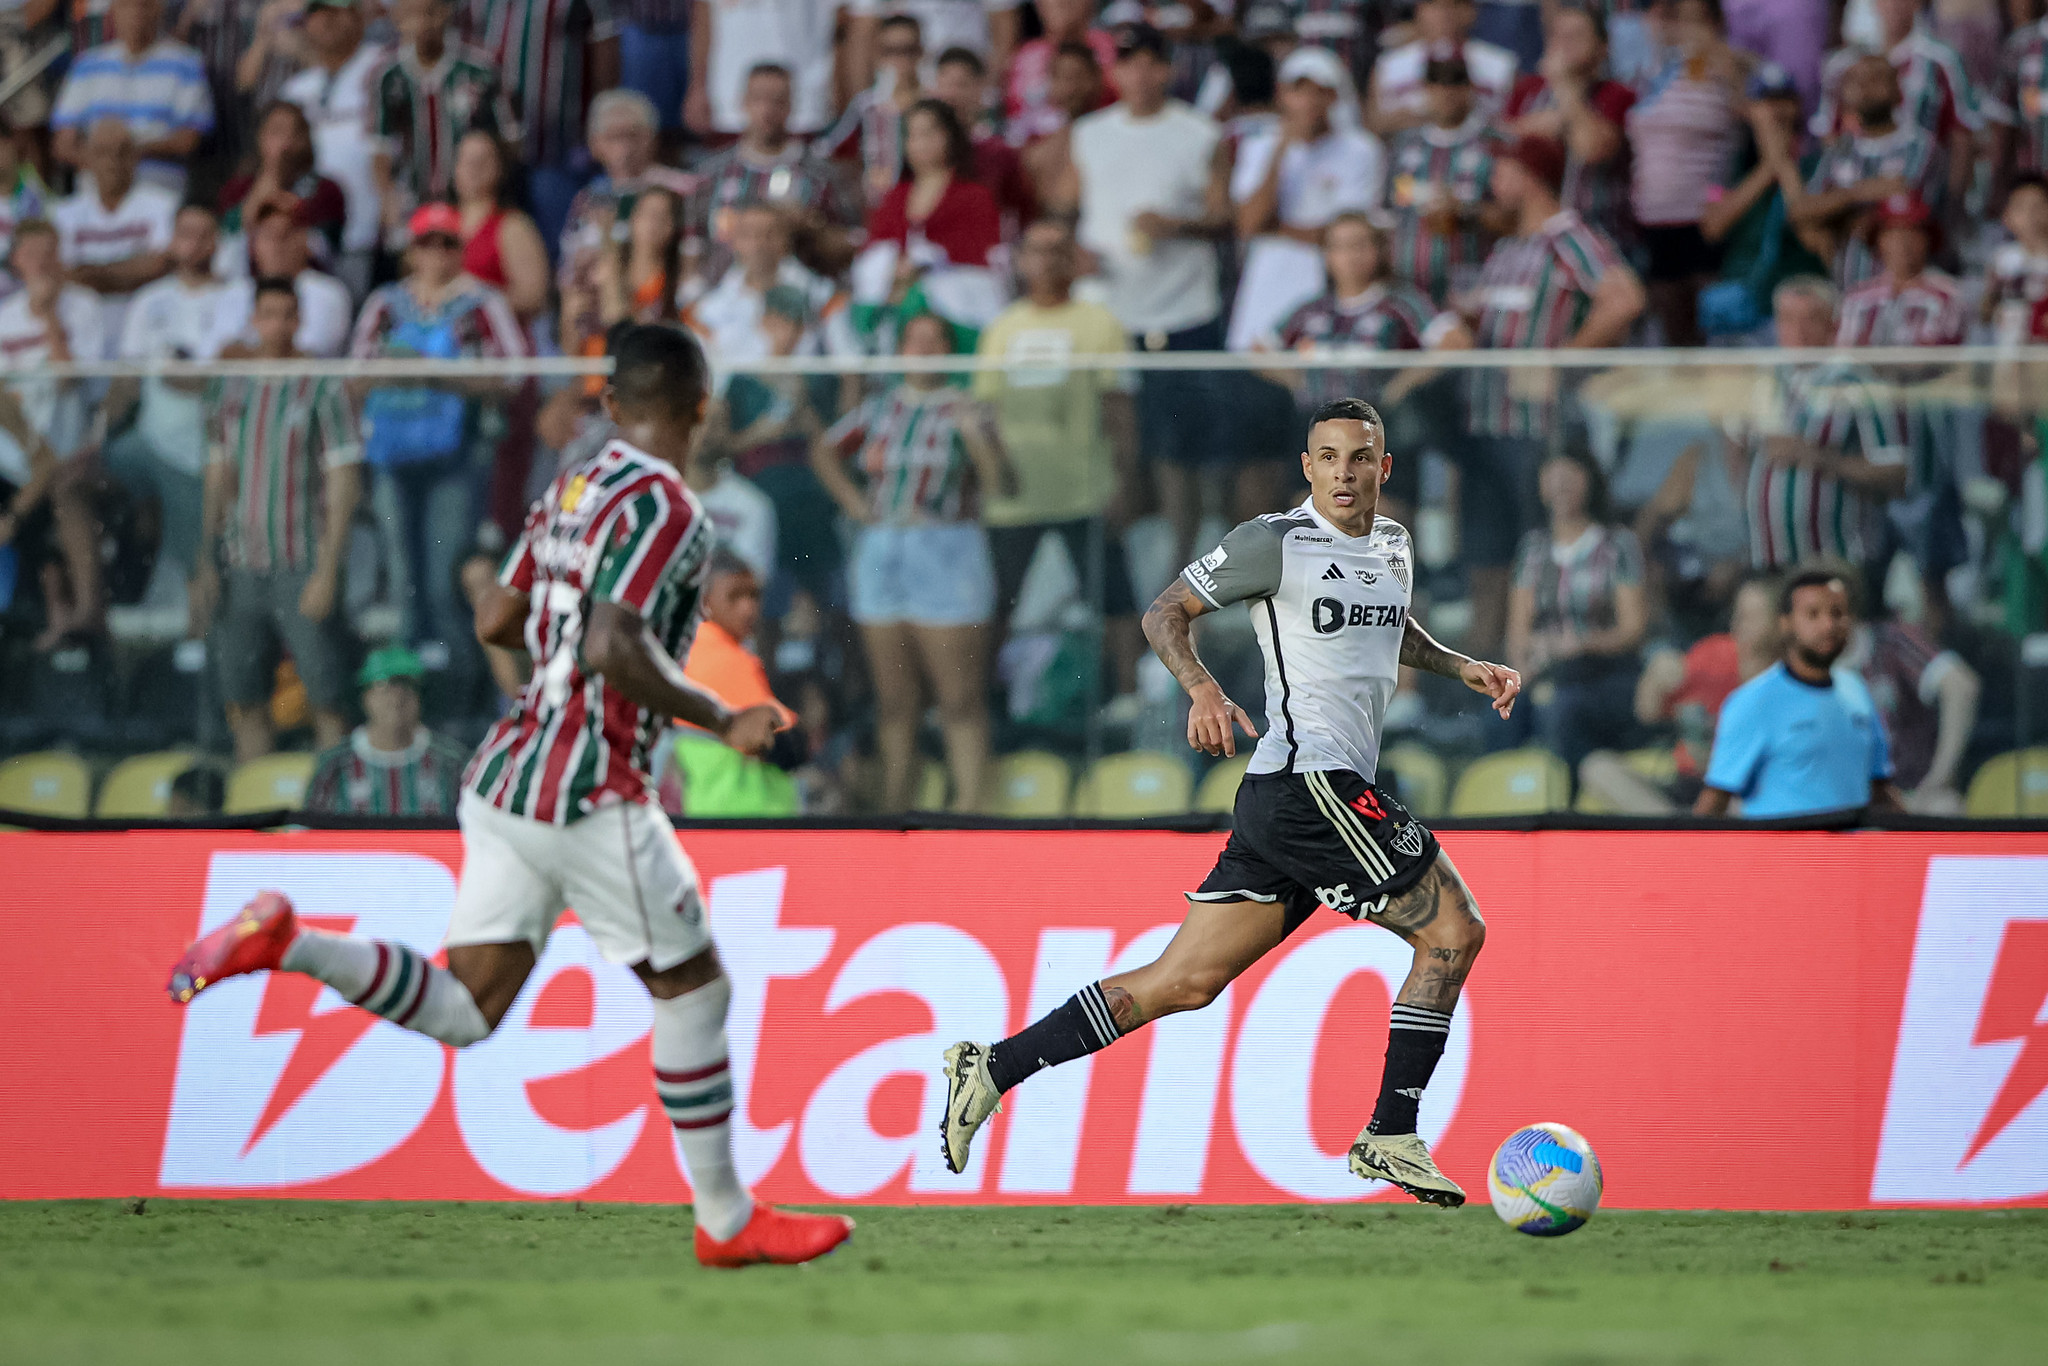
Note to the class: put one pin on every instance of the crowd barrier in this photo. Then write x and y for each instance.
(1738, 1020)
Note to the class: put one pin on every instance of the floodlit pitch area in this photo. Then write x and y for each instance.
(232, 1282)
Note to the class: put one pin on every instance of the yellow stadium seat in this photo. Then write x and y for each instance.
(1139, 782)
(1418, 778)
(1032, 784)
(141, 787)
(1517, 782)
(48, 783)
(2011, 784)
(931, 788)
(1218, 791)
(274, 782)
(1654, 764)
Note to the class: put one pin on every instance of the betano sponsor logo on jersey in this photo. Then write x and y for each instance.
(1330, 616)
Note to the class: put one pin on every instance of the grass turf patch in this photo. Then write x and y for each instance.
(225, 1282)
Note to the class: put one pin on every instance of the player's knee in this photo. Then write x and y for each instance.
(1192, 990)
(1466, 937)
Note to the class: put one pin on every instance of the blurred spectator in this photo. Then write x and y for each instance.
(23, 196)
(766, 166)
(1345, 27)
(1683, 132)
(1553, 282)
(116, 231)
(2018, 275)
(501, 246)
(429, 448)
(1927, 697)
(742, 517)
(1822, 448)
(1570, 98)
(635, 278)
(1936, 93)
(144, 80)
(44, 515)
(704, 776)
(1437, 181)
(1685, 690)
(654, 63)
(23, 26)
(552, 55)
(1151, 178)
(1578, 613)
(1747, 219)
(962, 82)
(1789, 34)
(280, 249)
(243, 71)
(1045, 138)
(1800, 739)
(934, 238)
(1863, 168)
(728, 315)
(623, 133)
(161, 455)
(200, 791)
(1289, 184)
(284, 178)
(334, 90)
(986, 28)
(869, 132)
(430, 92)
(1442, 28)
(1071, 437)
(283, 481)
(1030, 109)
(922, 585)
(731, 40)
(2019, 135)
(391, 765)
(1907, 304)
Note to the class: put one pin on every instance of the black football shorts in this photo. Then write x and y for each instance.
(1318, 839)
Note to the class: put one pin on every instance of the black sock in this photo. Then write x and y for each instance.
(1415, 1041)
(1074, 1030)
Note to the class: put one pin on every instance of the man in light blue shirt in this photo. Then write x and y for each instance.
(1800, 739)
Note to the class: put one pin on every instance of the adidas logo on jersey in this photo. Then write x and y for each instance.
(1333, 572)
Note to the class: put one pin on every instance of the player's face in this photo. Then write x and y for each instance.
(1818, 624)
(1345, 466)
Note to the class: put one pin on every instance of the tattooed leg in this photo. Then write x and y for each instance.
(1440, 920)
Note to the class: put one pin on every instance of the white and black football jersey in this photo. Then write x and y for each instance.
(1329, 610)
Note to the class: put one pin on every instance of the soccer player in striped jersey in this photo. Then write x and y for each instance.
(602, 590)
(1328, 583)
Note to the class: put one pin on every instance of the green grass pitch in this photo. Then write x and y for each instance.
(224, 1283)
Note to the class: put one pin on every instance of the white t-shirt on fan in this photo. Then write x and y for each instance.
(91, 234)
(796, 34)
(1340, 171)
(167, 320)
(1127, 166)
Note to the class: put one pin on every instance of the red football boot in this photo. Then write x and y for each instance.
(253, 941)
(776, 1236)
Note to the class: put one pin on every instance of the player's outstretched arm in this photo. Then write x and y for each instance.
(1420, 650)
(1212, 716)
(618, 645)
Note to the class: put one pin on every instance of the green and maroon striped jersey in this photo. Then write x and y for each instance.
(909, 447)
(622, 528)
(358, 779)
(1430, 169)
(542, 47)
(1908, 152)
(281, 436)
(420, 114)
(2023, 92)
(1534, 293)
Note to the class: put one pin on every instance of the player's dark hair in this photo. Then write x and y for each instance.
(656, 365)
(1346, 410)
(964, 56)
(1807, 578)
(276, 284)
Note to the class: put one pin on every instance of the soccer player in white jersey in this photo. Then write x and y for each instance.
(1328, 583)
(603, 591)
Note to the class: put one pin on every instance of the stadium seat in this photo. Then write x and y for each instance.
(1517, 782)
(48, 783)
(141, 786)
(274, 782)
(1418, 778)
(2011, 784)
(931, 788)
(1032, 783)
(1218, 791)
(1139, 782)
(1655, 764)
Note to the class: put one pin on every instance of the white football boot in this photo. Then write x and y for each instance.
(971, 1097)
(1404, 1160)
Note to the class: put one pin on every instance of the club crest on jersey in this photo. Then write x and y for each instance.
(1408, 840)
(573, 494)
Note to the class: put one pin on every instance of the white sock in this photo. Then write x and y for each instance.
(695, 1088)
(390, 980)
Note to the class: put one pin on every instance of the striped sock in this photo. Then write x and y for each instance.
(1080, 1026)
(695, 1085)
(1415, 1041)
(391, 980)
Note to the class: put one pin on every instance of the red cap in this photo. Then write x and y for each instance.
(1541, 157)
(428, 219)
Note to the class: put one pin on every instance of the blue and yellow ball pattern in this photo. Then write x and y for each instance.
(1545, 1180)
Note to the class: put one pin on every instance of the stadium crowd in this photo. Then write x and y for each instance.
(926, 571)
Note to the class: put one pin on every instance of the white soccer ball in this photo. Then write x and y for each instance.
(1545, 1180)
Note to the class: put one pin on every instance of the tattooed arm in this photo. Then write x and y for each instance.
(1500, 684)
(1211, 718)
